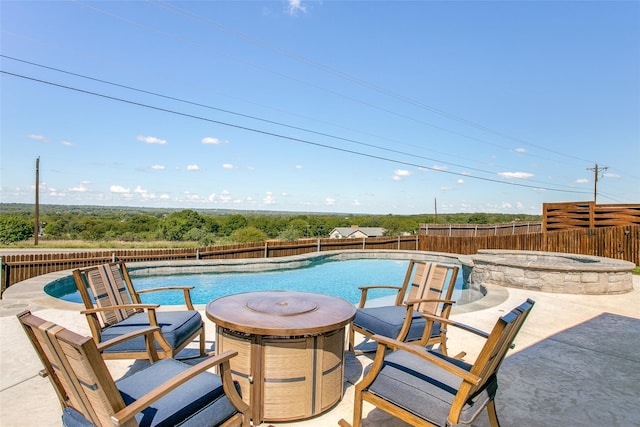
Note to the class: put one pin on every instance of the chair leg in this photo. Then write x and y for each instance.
(443, 344)
(352, 338)
(202, 343)
(493, 415)
(357, 408)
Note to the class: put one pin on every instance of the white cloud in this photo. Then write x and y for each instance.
(612, 175)
(295, 6)
(225, 197)
(582, 181)
(211, 140)
(460, 181)
(445, 188)
(165, 197)
(67, 143)
(439, 168)
(157, 167)
(228, 166)
(299, 166)
(329, 201)
(398, 174)
(193, 168)
(520, 150)
(119, 189)
(356, 203)
(519, 175)
(140, 190)
(269, 199)
(151, 140)
(80, 188)
(35, 137)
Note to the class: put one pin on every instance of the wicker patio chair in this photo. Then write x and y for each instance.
(425, 388)
(168, 392)
(403, 320)
(113, 308)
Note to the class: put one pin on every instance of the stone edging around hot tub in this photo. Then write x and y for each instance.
(552, 272)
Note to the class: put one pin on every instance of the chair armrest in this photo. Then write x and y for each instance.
(150, 310)
(365, 290)
(167, 288)
(445, 321)
(418, 301)
(385, 342)
(120, 307)
(362, 288)
(150, 330)
(130, 411)
(186, 290)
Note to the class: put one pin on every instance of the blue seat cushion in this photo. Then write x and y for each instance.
(73, 418)
(427, 390)
(176, 326)
(387, 321)
(198, 402)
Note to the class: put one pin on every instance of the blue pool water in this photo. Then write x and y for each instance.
(338, 278)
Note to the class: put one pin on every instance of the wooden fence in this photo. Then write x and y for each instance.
(613, 242)
(475, 230)
(588, 215)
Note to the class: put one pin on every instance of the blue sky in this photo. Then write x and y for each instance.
(377, 107)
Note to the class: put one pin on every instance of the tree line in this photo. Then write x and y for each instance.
(207, 228)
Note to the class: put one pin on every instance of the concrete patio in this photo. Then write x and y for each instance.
(576, 361)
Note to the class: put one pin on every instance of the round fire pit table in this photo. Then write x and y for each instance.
(291, 350)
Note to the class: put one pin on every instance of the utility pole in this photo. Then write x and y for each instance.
(596, 174)
(435, 210)
(36, 227)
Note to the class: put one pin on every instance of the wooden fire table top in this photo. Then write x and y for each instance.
(281, 313)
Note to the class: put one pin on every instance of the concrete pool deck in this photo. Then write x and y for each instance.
(576, 361)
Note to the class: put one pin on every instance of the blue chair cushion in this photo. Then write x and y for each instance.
(387, 321)
(73, 418)
(199, 402)
(176, 326)
(427, 390)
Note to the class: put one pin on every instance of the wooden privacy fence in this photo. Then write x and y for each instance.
(474, 230)
(613, 242)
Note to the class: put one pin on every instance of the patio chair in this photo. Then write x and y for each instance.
(118, 310)
(425, 388)
(403, 320)
(168, 392)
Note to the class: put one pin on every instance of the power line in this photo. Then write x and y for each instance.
(325, 89)
(317, 144)
(249, 116)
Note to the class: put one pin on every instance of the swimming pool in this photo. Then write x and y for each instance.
(339, 278)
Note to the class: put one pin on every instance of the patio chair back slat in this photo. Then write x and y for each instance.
(75, 368)
(109, 289)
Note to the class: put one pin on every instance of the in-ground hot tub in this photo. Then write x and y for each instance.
(552, 272)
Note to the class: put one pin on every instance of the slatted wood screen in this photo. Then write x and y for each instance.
(563, 216)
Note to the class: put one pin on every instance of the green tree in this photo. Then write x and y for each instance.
(14, 229)
(249, 235)
(232, 223)
(176, 225)
(290, 234)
